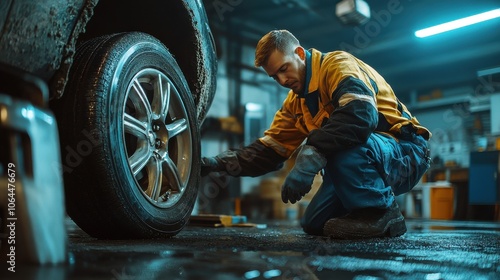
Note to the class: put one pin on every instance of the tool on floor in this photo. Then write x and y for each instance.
(214, 220)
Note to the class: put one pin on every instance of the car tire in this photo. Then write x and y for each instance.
(129, 139)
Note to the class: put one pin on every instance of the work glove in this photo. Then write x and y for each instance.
(298, 182)
(209, 165)
(226, 161)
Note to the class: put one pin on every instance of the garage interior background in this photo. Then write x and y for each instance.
(450, 81)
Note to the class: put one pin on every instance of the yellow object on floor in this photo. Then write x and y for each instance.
(214, 220)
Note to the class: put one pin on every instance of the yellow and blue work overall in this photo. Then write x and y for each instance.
(374, 147)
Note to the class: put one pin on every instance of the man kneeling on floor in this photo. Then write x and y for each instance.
(355, 129)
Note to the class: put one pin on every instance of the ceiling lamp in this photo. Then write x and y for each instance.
(459, 23)
(352, 12)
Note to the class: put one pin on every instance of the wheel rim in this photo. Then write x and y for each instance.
(157, 137)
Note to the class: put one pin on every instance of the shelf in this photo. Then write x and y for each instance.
(477, 103)
(436, 103)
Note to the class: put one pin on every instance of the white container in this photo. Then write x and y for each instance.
(425, 200)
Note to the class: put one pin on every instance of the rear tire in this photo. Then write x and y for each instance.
(129, 139)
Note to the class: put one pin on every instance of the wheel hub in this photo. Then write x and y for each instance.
(152, 138)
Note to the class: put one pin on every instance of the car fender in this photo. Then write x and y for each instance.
(40, 37)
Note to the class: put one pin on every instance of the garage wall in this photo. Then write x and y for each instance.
(256, 87)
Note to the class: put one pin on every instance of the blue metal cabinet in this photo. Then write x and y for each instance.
(484, 185)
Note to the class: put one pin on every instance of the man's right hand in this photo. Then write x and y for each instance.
(209, 165)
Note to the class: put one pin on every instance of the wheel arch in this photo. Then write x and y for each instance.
(182, 26)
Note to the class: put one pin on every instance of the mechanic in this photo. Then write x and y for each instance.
(343, 118)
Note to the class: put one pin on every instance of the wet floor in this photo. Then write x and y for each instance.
(429, 250)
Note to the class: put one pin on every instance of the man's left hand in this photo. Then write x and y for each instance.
(298, 182)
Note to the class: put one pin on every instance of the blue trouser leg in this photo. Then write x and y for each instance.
(324, 205)
(365, 176)
(357, 179)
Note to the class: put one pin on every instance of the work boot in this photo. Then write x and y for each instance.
(367, 223)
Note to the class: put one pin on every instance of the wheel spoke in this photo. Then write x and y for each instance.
(154, 178)
(161, 99)
(135, 126)
(139, 159)
(177, 127)
(141, 101)
(172, 173)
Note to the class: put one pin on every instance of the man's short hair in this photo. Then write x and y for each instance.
(281, 40)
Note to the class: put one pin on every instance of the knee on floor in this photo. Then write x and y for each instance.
(312, 229)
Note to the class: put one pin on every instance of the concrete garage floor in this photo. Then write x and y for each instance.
(429, 250)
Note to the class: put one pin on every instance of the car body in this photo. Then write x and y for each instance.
(129, 85)
(40, 37)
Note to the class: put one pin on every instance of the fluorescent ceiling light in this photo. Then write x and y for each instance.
(459, 23)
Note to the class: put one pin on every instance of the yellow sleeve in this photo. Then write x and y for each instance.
(284, 136)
